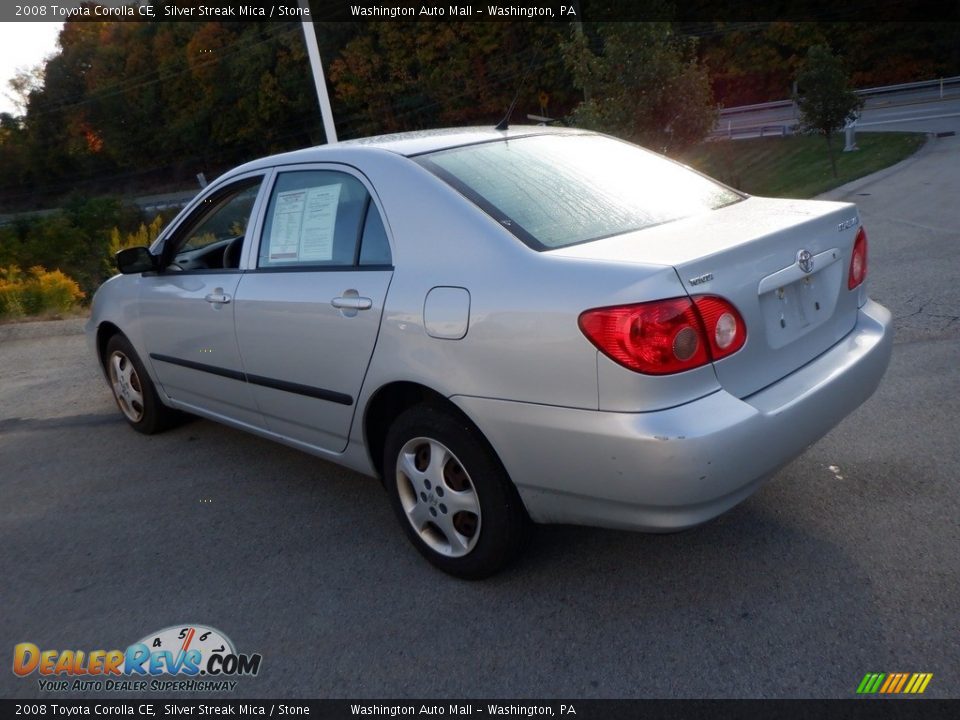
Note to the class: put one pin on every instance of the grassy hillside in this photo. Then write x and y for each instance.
(798, 166)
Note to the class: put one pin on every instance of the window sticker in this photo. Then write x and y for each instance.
(287, 220)
(303, 224)
(319, 221)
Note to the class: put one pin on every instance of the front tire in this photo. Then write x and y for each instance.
(133, 389)
(451, 494)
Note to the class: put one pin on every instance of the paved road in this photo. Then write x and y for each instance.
(845, 564)
(922, 112)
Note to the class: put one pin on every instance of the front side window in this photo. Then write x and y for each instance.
(557, 190)
(226, 219)
(319, 218)
(212, 238)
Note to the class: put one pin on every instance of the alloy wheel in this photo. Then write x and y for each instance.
(438, 497)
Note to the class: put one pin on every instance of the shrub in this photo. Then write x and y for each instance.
(11, 292)
(39, 291)
(143, 236)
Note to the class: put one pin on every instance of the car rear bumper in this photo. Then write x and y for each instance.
(676, 468)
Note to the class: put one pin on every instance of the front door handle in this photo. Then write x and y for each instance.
(218, 297)
(352, 303)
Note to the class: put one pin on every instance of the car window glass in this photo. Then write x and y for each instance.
(226, 219)
(314, 218)
(374, 247)
(557, 190)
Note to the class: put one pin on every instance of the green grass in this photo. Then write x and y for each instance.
(798, 166)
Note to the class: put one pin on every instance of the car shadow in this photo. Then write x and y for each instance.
(17, 424)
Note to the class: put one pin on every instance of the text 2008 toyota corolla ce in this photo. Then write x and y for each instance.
(505, 326)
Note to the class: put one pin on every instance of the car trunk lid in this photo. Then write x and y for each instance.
(782, 263)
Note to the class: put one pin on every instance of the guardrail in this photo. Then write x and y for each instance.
(787, 125)
(758, 106)
(149, 204)
(757, 130)
(864, 92)
(910, 86)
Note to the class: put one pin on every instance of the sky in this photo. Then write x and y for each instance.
(23, 45)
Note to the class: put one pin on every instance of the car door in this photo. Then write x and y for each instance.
(308, 314)
(187, 310)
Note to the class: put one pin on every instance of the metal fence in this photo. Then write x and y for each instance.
(786, 122)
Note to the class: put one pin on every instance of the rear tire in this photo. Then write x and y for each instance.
(451, 494)
(133, 389)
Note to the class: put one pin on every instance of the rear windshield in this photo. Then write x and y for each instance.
(557, 190)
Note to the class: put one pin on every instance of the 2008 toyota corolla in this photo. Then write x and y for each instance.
(505, 326)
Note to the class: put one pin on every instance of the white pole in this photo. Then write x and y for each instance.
(313, 50)
(851, 136)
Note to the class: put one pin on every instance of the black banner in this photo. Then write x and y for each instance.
(686, 11)
(860, 709)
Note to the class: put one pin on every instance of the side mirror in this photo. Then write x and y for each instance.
(136, 260)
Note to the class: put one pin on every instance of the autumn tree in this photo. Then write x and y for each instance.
(753, 62)
(397, 76)
(125, 105)
(824, 96)
(640, 81)
(757, 62)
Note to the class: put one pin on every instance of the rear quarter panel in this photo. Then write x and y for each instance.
(523, 342)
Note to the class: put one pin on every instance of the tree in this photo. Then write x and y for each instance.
(641, 81)
(395, 76)
(25, 81)
(825, 99)
(757, 62)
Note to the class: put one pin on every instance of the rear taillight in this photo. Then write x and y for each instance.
(858, 261)
(666, 336)
(723, 325)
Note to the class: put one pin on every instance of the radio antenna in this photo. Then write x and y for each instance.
(505, 123)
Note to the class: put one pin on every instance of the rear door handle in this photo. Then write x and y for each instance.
(218, 298)
(352, 303)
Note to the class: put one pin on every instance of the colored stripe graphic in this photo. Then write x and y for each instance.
(894, 683)
(923, 679)
(877, 679)
(891, 681)
(898, 680)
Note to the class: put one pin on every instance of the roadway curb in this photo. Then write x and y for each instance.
(841, 192)
(41, 329)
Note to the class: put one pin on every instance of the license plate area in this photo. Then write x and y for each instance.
(794, 302)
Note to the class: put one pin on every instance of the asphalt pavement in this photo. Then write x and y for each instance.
(845, 563)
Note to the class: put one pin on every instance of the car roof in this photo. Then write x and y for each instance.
(407, 144)
(425, 141)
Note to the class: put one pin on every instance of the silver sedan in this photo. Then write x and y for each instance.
(505, 326)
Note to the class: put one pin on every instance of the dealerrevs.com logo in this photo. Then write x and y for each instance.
(180, 658)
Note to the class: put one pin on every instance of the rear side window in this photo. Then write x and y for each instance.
(318, 218)
(557, 190)
(374, 248)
